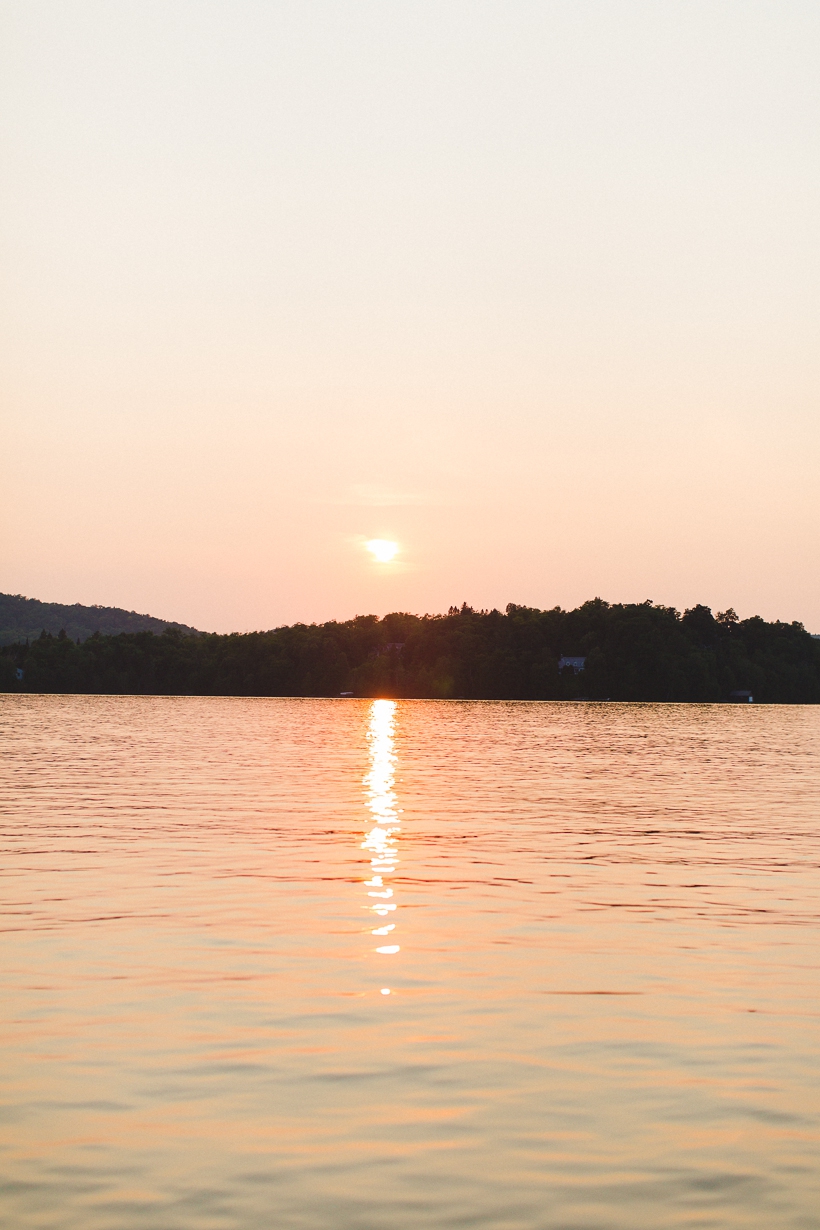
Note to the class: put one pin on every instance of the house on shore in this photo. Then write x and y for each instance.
(566, 664)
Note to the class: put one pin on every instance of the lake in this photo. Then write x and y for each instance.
(336, 964)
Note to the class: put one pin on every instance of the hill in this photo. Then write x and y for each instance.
(600, 651)
(24, 619)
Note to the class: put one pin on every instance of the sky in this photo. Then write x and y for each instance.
(531, 289)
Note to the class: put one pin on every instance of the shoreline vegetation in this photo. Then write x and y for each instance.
(631, 652)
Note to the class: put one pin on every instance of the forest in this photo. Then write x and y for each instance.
(24, 618)
(633, 652)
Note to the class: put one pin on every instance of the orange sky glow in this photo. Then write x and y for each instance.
(529, 290)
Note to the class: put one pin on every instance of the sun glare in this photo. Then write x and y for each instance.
(382, 550)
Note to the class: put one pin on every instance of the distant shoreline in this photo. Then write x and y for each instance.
(598, 652)
(408, 700)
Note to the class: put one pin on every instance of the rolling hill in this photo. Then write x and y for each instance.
(24, 619)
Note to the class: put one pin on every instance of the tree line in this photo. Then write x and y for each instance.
(633, 652)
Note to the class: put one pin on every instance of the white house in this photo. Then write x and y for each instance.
(576, 664)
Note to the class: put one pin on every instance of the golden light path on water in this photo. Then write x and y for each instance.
(604, 1013)
(380, 840)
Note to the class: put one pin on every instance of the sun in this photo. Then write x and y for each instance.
(382, 550)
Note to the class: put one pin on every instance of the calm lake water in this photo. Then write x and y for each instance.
(349, 964)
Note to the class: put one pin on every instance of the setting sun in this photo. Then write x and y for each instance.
(382, 550)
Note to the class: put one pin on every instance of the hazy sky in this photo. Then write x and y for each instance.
(531, 288)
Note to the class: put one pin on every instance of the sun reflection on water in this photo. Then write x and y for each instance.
(381, 840)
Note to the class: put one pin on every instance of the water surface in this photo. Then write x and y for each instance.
(344, 964)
